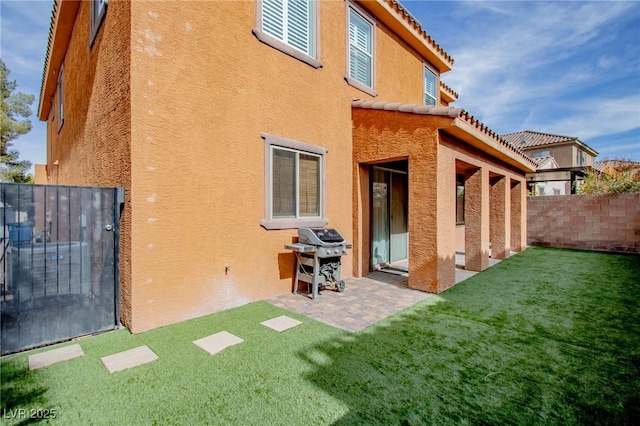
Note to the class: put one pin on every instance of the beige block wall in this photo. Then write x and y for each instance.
(606, 222)
(203, 89)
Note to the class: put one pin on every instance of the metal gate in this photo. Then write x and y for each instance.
(59, 273)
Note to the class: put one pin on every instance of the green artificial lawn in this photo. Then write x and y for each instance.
(545, 337)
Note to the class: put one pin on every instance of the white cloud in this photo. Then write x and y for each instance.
(545, 66)
(593, 119)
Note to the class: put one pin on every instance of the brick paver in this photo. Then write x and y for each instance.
(364, 301)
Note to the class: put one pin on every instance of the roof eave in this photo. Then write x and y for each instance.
(63, 19)
(468, 133)
(587, 148)
(384, 12)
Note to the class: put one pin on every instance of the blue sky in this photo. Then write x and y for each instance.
(570, 67)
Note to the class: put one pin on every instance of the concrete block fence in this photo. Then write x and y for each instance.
(604, 222)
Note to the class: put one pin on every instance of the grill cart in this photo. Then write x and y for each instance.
(318, 253)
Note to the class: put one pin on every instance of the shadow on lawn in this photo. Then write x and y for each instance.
(20, 394)
(429, 365)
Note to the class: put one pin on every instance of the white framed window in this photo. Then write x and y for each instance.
(294, 184)
(538, 154)
(430, 87)
(61, 97)
(581, 159)
(360, 61)
(98, 10)
(290, 26)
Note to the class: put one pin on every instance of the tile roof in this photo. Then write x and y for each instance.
(540, 161)
(448, 90)
(528, 139)
(47, 56)
(452, 112)
(418, 27)
(617, 165)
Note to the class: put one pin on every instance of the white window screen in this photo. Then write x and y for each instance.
(290, 21)
(430, 87)
(360, 49)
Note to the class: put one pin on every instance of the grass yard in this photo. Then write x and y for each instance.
(545, 337)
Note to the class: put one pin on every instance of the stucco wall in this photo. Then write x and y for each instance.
(203, 89)
(434, 158)
(93, 145)
(380, 136)
(455, 156)
(607, 222)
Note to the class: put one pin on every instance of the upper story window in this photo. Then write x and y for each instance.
(290, 21)
(61, 97)
(581, 159)
(98, 9)
(294, 184)
(430, 87)
(538, 154)
(290, 26)
(361, 60)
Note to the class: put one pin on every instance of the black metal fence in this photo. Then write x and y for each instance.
(59, 274)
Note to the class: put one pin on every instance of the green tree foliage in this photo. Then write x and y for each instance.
(14, 122)
(617, 176)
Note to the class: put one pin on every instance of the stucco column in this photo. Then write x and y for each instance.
(516, 216)
(423, 215)
(361, 221)
(498, 216)
(476, 219)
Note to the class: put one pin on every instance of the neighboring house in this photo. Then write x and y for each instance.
(616, 166)
(231, 124)
(563, 161)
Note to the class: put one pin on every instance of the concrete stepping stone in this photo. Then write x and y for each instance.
(281, 323)
(45, 359)
(129, 359)
(217, 342)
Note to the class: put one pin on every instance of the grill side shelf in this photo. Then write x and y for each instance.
(301, 248)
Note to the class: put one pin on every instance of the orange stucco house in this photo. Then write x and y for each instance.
(231, 124)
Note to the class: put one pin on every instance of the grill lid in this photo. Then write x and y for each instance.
(320, 236)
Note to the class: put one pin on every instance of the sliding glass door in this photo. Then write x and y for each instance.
(390, 238)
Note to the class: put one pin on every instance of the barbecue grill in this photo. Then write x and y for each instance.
(318, 253)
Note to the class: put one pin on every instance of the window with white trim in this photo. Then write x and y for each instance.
(538, 154)
(61, 97)
(361, 59)
(294, 184)
(430, 87)
(98, 10)
(581, 158)
(292, 22)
